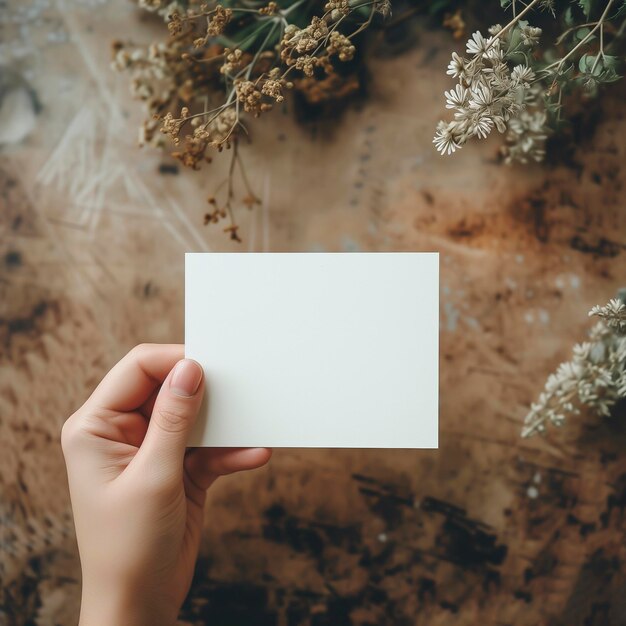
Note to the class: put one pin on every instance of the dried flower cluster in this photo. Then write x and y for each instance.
(614, 314)
(490, 93)
(506, 82)
(595, 377)
(223, 62)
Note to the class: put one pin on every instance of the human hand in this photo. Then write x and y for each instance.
(137, 493)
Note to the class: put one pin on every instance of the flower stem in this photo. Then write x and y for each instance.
(560, 63)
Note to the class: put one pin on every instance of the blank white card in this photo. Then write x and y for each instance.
(332, 350)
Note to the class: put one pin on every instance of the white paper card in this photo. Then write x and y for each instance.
(315, 349)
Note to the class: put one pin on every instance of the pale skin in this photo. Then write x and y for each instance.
(137, 492)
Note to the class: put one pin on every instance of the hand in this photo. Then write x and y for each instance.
(137, 494)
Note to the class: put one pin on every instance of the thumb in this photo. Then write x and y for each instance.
(173, 415)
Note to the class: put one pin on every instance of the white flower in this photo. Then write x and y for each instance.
(456, 67)
(483, 125)
(530, 35)
(498, 75)
(456, 97)
(477, 44)
(492, 93)
(499, 122)
(614, 314)
(595, 377)
(522, 74)
(444, 139)
(481, 97)
(495, 53)
(462, 116)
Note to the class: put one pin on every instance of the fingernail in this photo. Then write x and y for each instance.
(186, 378)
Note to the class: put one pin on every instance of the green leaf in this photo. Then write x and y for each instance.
(609, 76)
(569, 18)
(581, 33)
(251, 36)
(363, 11)
(514, 38)
(601, 69)
(586, 62)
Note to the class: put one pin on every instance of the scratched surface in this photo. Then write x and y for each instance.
(489, 529)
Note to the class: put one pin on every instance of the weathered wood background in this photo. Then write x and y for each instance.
(489, 529)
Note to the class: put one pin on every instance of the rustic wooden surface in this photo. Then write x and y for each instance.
(488, 529)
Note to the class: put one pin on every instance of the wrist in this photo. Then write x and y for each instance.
(102, 606)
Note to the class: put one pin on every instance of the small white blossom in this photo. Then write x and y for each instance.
(456, 67)
(522, 74)
(594, 378)
(494, 52)
(457, 97)
(483, 125)
(481, 97)
(477, 44)
(492, 93)
(614, 314)
(444, 140)
(530, 35)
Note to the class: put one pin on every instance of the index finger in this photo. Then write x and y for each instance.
(131, 382)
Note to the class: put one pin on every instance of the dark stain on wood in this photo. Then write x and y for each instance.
(603, 247)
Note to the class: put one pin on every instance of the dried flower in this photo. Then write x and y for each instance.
(341, 46)
(171, 126)
(175, 24)
(233, 230)
(530, 34)
(337, 8)
(445, 139)
(457, 97)
(274, 84)
(305, 40)
(306, 64)
(594, 378)
(519, 99)
(457, 68)
(250, 97)
(232, 61)
(614, 314)
(272, 8)
(193, 71)
(488, 95)
(218, 21)
(477, 44)
(522, 74)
